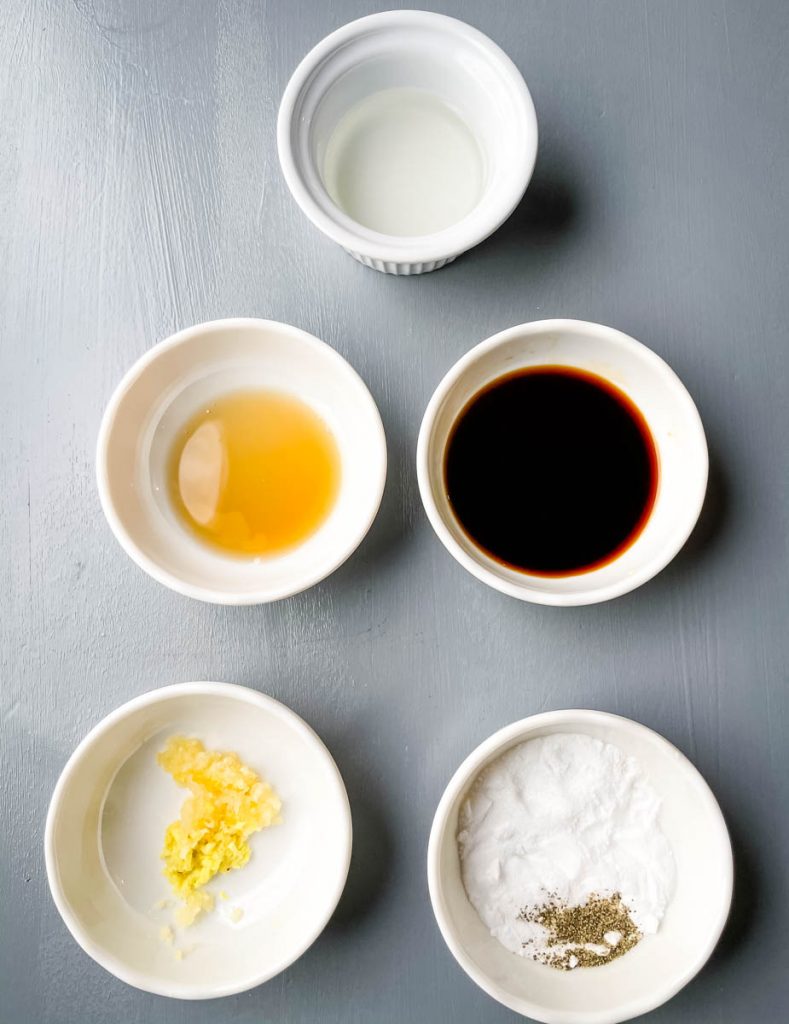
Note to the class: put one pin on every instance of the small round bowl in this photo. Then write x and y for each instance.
(661, 964)
(411, 49)
(106, 825)
(166, 387)
(657, 392)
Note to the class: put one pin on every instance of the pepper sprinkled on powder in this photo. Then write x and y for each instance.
(561, 851)
(594, 933)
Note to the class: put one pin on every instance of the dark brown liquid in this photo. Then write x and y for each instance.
(551, 470)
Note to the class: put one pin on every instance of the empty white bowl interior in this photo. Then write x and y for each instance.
(172, 387)
(108, 826)
(434, 54)
(654, 388)
(660, 964)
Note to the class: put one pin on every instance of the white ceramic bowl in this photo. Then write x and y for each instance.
(661, 964)
(166, 387)
(416, 49)
(106, 823)
(654, 388)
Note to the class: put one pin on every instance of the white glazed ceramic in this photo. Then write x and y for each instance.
(415, 49)
(661, 964)
(166, 387)
(106, 823)
(657, 392)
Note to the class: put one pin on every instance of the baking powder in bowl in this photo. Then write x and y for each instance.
(561, 850)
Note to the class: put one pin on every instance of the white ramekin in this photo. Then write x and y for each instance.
(409, 49)
(655, 389)
(661, 964)
(165, 388)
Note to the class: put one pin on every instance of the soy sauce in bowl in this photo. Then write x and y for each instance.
(551, 470)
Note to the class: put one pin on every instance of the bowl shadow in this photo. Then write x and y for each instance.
(391, 525)
(371, 859)
(707, 532)
(712, 519)
(544, 217)
(744, 918)
(745, 901)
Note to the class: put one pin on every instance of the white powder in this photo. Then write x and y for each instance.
(561, 818)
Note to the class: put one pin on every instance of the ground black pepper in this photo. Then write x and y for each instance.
(587, 935)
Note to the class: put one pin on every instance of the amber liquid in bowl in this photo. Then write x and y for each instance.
(255, 473)
(551, 470)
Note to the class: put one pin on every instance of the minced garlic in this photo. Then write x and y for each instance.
(229, 802)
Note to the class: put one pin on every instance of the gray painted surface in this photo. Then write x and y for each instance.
(139, 193)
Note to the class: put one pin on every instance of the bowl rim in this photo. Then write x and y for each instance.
(592, 594)
(112, 964)
(262, 595)
(462, 778)
(355, 238)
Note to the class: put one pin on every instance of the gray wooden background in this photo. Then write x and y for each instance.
(139, 193)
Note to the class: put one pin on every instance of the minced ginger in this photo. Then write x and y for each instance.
(229, 802)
